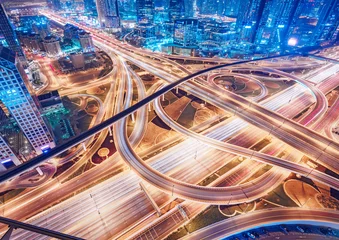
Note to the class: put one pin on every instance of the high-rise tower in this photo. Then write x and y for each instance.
(108, 13)
(14, 94)
(308, 20)
(9, 34)
(145, 11)
(176, 9)
(274, 22)
(248, 18)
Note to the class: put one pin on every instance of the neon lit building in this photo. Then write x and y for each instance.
(86, 41)
(176, 9)
(274, 23)
(10, 36)
(145, 11)
(248, 19)
(309, 21)
(15, 96)
(108, 13)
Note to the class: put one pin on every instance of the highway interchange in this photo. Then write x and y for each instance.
(116, 208)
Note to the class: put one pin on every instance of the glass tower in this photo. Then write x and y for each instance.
(14, 94)
(9, 34)
(176, 9)
(108, 13)
(145, 11)
(309, 16)
(248, 19)
(274, 22)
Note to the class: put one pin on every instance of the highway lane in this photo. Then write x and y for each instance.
(239, 194)
(267, 217)
(163, 165)
(303, 140)
(246, 78)
(327, 155)
(285, 164)
(324, 151)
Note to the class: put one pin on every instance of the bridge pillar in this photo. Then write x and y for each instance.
(84, 146)
(154, 204)
(183, 213)
(7, 234)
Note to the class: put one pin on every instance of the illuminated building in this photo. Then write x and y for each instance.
(7, 156)
(86, 41)
(90, 6)
(176, 9)
(309, 21)
(221, 33)
(52, 46)
(70, 31)
(10, 36)
(232, 8)
(248, 19)
(185, 32)
(190, 8)
(34, 71)
(55, 4)
(329, 28)
(108, 13)
(15, 96)
(41, 28)
(33, 42)
(145, 11)
(274, 22)
(146, 31)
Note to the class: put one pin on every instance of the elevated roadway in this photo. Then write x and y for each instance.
(267, 217)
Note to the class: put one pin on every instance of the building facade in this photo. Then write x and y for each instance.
(8, 32)
(14, 94)
(86, 41)
(248, 19)
(185, 32)
(176, 9)
(108, 13)
(145, 11)
(52, 46)
(309, 21)
(274, 22)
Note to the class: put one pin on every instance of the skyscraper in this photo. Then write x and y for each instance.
(7, 156)
(108, 13)
(145, 11)
(329, 28)
(10, 36)
(309, 17)
(90, 6)
(274, 22)
(248, 18)
(232, 7)
(19, 102)
(176, 9)
(190, 8)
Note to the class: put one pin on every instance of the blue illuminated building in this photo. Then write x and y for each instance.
(176, 9)
(90, 6)
(314, 21)
(108, 13)
(185, 32)
(10, 36)
(274, 22)
(248, 19)
(232, 8)
(16, 97)
(145, 11)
